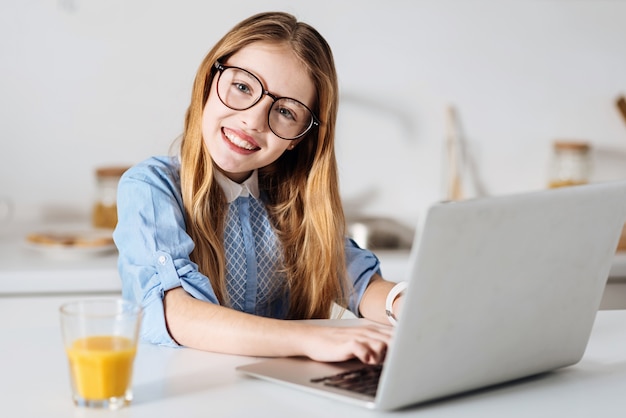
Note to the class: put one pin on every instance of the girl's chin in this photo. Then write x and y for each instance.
(231, 167)
(237, 177)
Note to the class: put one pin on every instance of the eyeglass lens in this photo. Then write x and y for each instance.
(240, 90)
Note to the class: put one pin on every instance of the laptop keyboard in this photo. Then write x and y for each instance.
(362, 380)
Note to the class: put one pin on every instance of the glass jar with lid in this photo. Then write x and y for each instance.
(570, 164)
(104, 213)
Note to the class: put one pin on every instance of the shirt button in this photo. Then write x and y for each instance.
(162, 260)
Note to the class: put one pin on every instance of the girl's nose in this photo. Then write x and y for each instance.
(256, 118)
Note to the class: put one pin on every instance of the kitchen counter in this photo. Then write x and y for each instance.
(24, 270)
(28, 270)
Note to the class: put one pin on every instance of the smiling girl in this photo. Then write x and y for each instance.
(228, 243)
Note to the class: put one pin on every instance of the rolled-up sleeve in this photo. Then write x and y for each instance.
(361, 264)
(153, 244)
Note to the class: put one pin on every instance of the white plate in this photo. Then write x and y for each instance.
(71, 243)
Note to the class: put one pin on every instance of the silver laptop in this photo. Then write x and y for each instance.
(500, 288)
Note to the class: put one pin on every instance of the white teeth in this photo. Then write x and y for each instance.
(238, 141)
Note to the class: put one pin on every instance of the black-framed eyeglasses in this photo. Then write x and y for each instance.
(239, 89)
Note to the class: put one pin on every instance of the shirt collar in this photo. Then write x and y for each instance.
(233, 190)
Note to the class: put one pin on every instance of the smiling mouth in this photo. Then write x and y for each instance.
(239, 142)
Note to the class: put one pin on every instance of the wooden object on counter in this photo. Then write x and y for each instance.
(454, 188)
(621, 245)
(104, 213)
(621, 106)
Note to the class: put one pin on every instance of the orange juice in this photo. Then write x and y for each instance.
(101, 366)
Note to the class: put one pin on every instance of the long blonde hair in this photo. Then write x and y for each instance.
(302, 185)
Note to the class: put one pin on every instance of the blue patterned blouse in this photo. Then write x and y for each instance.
(154, 249)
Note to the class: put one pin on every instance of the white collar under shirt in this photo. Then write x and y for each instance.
(232, 190)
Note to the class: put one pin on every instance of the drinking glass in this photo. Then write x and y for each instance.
(100, 338)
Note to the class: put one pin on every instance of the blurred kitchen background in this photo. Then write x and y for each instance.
(92, 83)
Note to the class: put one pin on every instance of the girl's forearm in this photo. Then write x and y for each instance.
(206, 326)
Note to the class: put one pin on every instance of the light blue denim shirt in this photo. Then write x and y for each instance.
(154, 250)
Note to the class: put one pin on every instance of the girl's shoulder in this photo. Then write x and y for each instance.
(161, 172)
(155, 168)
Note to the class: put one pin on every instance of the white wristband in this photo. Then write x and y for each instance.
(391, 297)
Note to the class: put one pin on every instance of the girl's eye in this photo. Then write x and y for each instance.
(286, 113)
(242, 87)
(290, 110)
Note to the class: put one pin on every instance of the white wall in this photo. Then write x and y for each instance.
(85, 83)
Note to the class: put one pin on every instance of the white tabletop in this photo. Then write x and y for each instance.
(189, 383)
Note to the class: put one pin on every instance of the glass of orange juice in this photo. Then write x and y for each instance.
(100, 338)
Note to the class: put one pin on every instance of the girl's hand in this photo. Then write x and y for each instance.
(367, 343)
